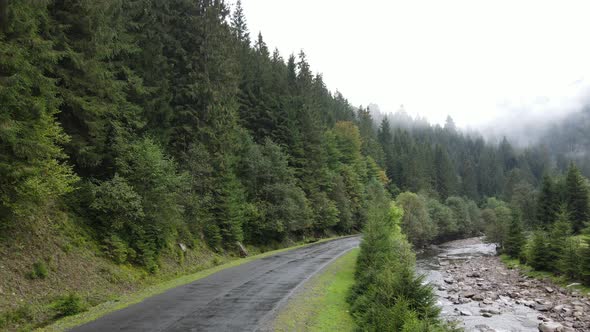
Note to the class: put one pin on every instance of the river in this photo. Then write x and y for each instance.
(479, 292)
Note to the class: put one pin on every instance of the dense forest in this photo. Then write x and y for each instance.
(156, 123)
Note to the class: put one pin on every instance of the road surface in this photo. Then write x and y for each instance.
(240, 298)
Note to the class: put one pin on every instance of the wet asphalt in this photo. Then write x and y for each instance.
(241, 298)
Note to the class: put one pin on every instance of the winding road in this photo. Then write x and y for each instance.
(240, 298)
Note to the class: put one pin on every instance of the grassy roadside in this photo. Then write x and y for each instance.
(513, 263)
(127, 300)
(321, 304)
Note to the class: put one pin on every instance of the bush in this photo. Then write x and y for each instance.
(118, 250)
(23, 314)
(69, 305)
(40, 271)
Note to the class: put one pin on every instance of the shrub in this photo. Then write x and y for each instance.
(69, 305)
(21, 315)
(39, 271)
(118, 250)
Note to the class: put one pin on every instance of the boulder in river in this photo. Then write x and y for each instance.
(465, 313)
(550, 327)
(543, 307)
(468, 294)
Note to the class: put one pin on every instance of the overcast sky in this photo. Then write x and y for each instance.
(478, 61)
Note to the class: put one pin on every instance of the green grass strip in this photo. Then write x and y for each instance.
(321, 303)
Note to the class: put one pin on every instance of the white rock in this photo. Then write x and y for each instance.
(550, 327)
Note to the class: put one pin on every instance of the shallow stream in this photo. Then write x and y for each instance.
(497, 313)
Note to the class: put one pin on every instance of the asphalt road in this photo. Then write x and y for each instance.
(241, 298)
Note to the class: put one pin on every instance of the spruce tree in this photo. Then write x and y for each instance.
(386, 140)
(444, 174)
(558, 235)
(32, 168)
(238, 24)
(547, 203)
(570, 262)
(515, 238)
(539, 254)
(576, 195)
(585, 266)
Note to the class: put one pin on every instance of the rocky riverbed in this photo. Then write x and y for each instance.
(479, 292)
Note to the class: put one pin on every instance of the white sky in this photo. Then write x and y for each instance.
(475, 60)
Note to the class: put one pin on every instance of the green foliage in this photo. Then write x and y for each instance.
(497, 217)
(558, 235)
(538, 255)
(387, 295)
(416, 222)
(445, 178)
(585, 253)
(271, 185)
(523, 202)
(442, 216)
(179, 129)
(69, 305)
(577, 199)
(19, 317)
(40, 271)
(118, 250)
(570, 261)
(515, 238)
(460, 211)
(138, 210)
(32, 171)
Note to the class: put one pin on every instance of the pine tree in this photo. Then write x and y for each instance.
(585, 266)
(577, 199)
(523, 201)
(548, 203)
(444, 174)
(539, 252)
(32, 168)
(386, 140)
(238, 24)
(469, 179)
(515, 239)
(570, 262)
(507, 155)
(558, 235)
(93, 82)
(370, 144)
